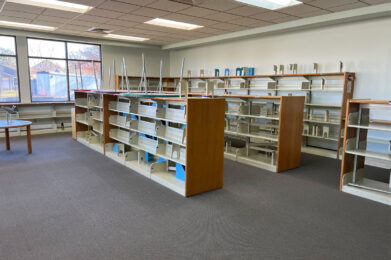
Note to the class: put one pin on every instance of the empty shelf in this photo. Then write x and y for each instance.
(366, 153)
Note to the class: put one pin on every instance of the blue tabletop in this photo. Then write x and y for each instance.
(13, 123)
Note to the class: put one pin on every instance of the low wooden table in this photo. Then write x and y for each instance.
(16, 124)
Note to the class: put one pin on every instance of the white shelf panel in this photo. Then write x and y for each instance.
(375, 155)
(144, 149)
(323, 105)
(368, 189)
(370, 127)
(253, 116)
(263, 137)
(335, 139)
(169, 180)
(149, 116)
(82, 122)
(321, 122)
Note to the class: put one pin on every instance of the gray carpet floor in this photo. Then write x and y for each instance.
(66, 201)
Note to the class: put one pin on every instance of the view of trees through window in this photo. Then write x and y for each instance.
(58, 67)
(9, 86)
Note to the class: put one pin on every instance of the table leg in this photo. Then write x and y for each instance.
(7, 139)
(29, 139)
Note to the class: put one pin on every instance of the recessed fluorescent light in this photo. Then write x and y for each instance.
(271, 4)
(54, 4)
(173, 24)
(27, 26)
(125, 37)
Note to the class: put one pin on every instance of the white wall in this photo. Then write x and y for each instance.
(364, 47)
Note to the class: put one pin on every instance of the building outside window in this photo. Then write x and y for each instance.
(9, 83)
(55, 68)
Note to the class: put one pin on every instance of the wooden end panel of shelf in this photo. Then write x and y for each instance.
(348, 90)
(205, 145)
(78, 110)
(348, 159)
(73, 118)
(290, 131)
(106, 115)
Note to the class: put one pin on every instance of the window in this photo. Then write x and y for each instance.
(9, 86)
(58, 67)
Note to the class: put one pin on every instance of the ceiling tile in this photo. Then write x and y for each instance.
(136, 2)
(330, 3)
(134, 18)
(74, 27)
(312, 14)
(121, 23)
(228, 27)
(259, 24)
(220, 5)
(247, 10)
(284, 19)
(29, 16)
(211, 30)
(268, 16)
(48, 18)
(47, 23)
(118, 6)
(15, 19)
(299, 9)
(23, 8)
(155, 28)
(87, 2)
(168, 5)
(223, 17)
(203, 21)
(179, 17)
(91, 18)
(198, 11)
(376, 2)
(82, 23)
(59, 13)
(151, 12)
(245, 21)
(104, 13)
(347, 7)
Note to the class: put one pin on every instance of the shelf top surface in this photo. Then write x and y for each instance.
(254, 76)
(368, 101)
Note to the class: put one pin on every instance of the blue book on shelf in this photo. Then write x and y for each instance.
(180, 172)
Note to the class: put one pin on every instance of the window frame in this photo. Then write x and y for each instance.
(66, 64)
(17, 68)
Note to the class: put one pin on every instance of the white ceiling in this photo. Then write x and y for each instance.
(127, 17)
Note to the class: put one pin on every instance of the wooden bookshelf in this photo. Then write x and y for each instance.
(324, 111)
(325, 101)
(176, 142)
(367, 137)
(46, 117)
(264, 131)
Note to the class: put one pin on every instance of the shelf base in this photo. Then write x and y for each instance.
(166, 179)
(95, 147)
(256, 162)
(370, 192)
(319, 151)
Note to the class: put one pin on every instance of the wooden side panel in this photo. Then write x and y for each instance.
(290, 131)
(106, 115)
(73, 117)
(348, 90)
(78, 126)
(348, 159)
(205, 145)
